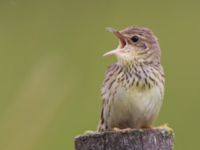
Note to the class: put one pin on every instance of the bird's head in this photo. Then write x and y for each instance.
(136, 45)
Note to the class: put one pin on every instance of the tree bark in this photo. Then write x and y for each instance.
(142, 139)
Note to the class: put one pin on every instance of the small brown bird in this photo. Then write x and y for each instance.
(133, 88)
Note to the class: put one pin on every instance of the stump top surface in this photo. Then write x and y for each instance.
(141, 139)
(163, 131)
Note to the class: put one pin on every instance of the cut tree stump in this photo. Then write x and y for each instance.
(142, 139)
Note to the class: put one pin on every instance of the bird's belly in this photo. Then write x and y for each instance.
(135, 108)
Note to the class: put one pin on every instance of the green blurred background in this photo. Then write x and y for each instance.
(51, 67)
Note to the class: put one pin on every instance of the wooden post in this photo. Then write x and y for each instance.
(142, 139)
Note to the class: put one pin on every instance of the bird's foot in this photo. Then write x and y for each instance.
(148, 127)
(118, 129)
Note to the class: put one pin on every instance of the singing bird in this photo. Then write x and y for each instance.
(133, 89)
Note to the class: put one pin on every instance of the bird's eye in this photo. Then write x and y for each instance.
(135, 38)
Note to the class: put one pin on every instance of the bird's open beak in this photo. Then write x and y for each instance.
(122, 42)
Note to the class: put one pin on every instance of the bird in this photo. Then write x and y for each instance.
(133, 89)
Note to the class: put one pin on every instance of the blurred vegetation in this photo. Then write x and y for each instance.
(51, 67)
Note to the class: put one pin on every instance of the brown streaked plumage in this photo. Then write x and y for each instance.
(133, 88)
